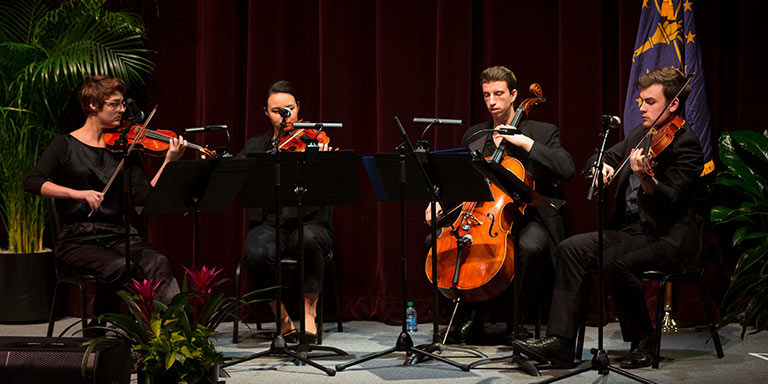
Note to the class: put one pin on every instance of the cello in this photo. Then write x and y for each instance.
(476, 254)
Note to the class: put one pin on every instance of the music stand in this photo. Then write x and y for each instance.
(331, 178)
(183, 188)
(396, 177)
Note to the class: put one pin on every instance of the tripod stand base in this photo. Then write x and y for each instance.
(439, 348)
(521, 362)
(298, 352)
(602, 365)
(404, 344)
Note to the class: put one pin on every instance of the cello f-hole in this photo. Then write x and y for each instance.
(490, 227)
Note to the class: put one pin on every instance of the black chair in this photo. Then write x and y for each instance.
(329, 278)
(702, 206)
(54, 224)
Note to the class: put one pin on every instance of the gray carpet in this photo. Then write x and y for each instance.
(689, 357)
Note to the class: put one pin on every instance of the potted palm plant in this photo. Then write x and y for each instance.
(173, 342)
(47, 48)
(745, 155)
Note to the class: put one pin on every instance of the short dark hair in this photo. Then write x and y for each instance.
(499, 73)
(670, 78)
(96, 90)
(280, 86)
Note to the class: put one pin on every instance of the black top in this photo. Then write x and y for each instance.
(71, 163)
(288, 215)
(666, 217)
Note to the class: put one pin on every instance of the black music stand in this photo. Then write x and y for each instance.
(396, 177)
(183, 188)
(299, 179)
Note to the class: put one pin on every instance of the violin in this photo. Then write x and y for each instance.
(483, 268)
(292, 141)
(655, 141)
(152, 142)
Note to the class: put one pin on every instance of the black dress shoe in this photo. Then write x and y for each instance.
(311, 337)
(468, 332)
(642, 354)
(520, 334)
(557, 351)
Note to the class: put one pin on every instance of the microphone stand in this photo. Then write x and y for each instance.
(600, 361)
(135, 116)
(279, 347)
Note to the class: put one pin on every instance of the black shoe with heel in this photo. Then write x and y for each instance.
(291, 337)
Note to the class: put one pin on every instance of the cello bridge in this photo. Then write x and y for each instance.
(469, 216)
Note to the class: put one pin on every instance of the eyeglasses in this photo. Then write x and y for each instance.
(115, 104)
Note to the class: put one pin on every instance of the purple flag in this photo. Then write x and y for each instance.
(667, 37)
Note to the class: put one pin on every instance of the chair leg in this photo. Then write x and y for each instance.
(235, 323)
(712, 325)
(319, 319)
(83, 307)
(659, 318)
(580, 340)
(52, 314)
(537, 329)
(336, 298)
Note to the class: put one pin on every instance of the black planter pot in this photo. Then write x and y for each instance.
(26, 286)
(172, 378)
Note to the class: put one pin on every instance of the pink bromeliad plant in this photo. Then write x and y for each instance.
(203, 282)
(174, 340)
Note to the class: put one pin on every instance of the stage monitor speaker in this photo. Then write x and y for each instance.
(58, 360)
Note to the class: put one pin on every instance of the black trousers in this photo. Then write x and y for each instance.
(105, 260)
(626, 255)
(260, 253)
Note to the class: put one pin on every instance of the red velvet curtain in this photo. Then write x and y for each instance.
(364, 62)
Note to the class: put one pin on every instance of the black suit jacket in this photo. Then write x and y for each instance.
(548, 162)
(666, 217)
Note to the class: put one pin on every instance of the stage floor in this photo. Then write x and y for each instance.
(688, 357)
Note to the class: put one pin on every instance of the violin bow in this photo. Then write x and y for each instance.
(122, 161)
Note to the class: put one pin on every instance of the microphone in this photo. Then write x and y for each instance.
(284, 112)
(317, 125)
(134, 113)
(206, 128)
(467, 239)
(610, 121)
(435, 120)
(508, 131)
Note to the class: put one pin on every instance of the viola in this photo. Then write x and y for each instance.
(152, 142)
(292, 141)
(486, 267)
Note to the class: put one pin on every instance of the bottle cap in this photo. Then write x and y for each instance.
(410, 303)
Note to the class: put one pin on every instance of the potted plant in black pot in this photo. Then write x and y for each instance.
(745, 156)
(47, 48)
(173, 343)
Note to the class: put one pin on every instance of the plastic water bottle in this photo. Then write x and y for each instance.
(411, 321)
